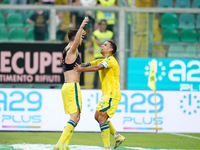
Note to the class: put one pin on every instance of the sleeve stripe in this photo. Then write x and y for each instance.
(88, 64)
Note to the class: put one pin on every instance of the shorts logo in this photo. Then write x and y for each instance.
(103, 103)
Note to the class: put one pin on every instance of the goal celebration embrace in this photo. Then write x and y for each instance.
(109, 73)
(99, 74)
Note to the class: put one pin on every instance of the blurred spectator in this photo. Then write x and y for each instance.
(21, 2)
(144, 3)
(51, 2)
(77, 16)
(61, 2)
(99, 37)
(90, 14)
(108, 16)
(1, 1)
(40, 20)
(125, 3)
(71, 2)
(31, 1)
(60, 32)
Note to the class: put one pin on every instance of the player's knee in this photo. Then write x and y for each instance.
(76, 118)
(101, 118)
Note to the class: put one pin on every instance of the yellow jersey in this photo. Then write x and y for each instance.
(109, 76)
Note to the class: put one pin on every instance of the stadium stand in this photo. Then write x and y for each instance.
(176, 51)
(46, 36)
(199, 36)
(180, 29)
(198, 21)
(196, 3)
(30, 34)
(3, 34)
(188, 36)
(186, 21)
(177, 28)
(170, 35)
(2, 20)
(14, 20)
(169, 20)
(165, 3)
(6, 1)
(17, 34)
(182, 3)
(191, 51)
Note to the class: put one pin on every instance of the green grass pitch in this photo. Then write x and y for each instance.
(144, 140)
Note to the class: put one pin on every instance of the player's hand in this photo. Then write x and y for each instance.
(83, 32)
(85, 21)
(77, 68)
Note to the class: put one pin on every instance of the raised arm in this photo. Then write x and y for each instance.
(78, 36)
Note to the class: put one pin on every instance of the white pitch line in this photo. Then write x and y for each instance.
(72, 147)
(189, 136)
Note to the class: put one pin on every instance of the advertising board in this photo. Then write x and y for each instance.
(171, 74)
(42, 110)
(30, 63)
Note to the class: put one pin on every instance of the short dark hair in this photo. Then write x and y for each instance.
(113, 45)
(103, 20)
(72, 34)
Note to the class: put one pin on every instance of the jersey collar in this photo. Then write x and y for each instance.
(109, 56)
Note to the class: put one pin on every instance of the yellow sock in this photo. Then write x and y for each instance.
(67, 132)
(112, 129)
(105, 133)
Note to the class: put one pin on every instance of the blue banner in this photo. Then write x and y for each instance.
(171, 74)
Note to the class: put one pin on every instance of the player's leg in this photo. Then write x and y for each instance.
(67, 133)
(112, 129)
(118, 137)
(69, 128)
(101, 117)
(72, 105)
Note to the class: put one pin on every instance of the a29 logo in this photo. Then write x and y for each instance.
(138, 103)
(18, 107)
(33, 98)
(139, 99)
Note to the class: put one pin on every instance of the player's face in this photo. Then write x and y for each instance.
(105, 47)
